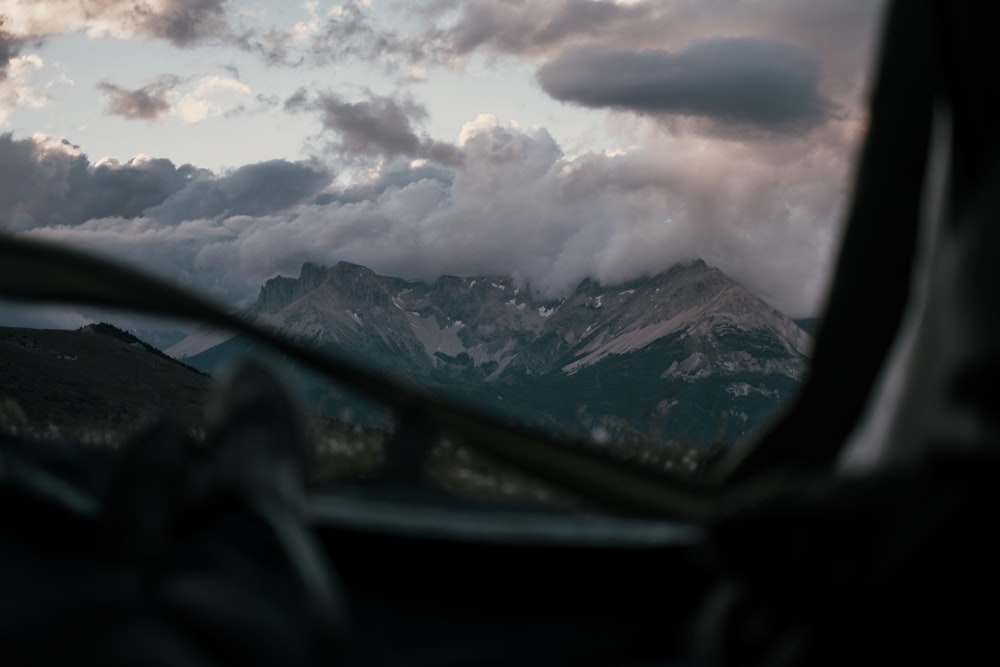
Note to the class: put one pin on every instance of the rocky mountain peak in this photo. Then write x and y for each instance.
(682, 337)
(344, 269)
(275, 294)
(311, 276)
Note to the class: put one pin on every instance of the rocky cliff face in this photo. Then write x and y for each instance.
(685, 355)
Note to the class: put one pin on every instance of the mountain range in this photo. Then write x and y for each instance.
(687, 355)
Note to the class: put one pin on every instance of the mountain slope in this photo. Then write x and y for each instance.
(95, 380)
(684, 355)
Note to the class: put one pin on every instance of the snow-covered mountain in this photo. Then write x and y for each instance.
(684, 355)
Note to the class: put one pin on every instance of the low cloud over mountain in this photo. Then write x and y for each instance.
(515, 206)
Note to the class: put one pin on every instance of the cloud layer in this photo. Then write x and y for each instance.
(377, 126)
(733, 125)
(515, 206)
(764, 83)
(51, 183)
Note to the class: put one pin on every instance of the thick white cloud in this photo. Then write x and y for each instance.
(14, 89)
(213, 96)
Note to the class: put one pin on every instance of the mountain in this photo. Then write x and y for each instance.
(686, 355)
(93, 383)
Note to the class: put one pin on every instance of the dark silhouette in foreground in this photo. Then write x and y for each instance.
(205, 555)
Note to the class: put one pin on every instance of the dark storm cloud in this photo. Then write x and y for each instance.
(48, 183)
(149, 102)
(760, 82)
(185, 223)
(255, 190)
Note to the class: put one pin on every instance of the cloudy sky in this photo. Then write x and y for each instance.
(222, 142)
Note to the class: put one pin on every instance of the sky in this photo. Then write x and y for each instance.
(219, 143)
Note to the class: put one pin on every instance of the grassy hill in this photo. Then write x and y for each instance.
(92, 381)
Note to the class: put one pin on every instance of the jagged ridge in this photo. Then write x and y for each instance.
(687, 340)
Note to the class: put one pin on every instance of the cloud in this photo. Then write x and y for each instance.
(150, 102)
(49, 182)
(345, 31)
(839, 34)
(515, 205)
(14, 70)
(377, 126)
(534, 28)
(543, 29)
(183, 23)
(763, 83)
(502, 198)
(257, 190)
(392, 176)
(9, 47)
(297, 101)
(14, 88)
(211, 97)
(180, 22)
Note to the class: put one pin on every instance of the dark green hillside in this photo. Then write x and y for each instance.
(95, 380)
(627, 397)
